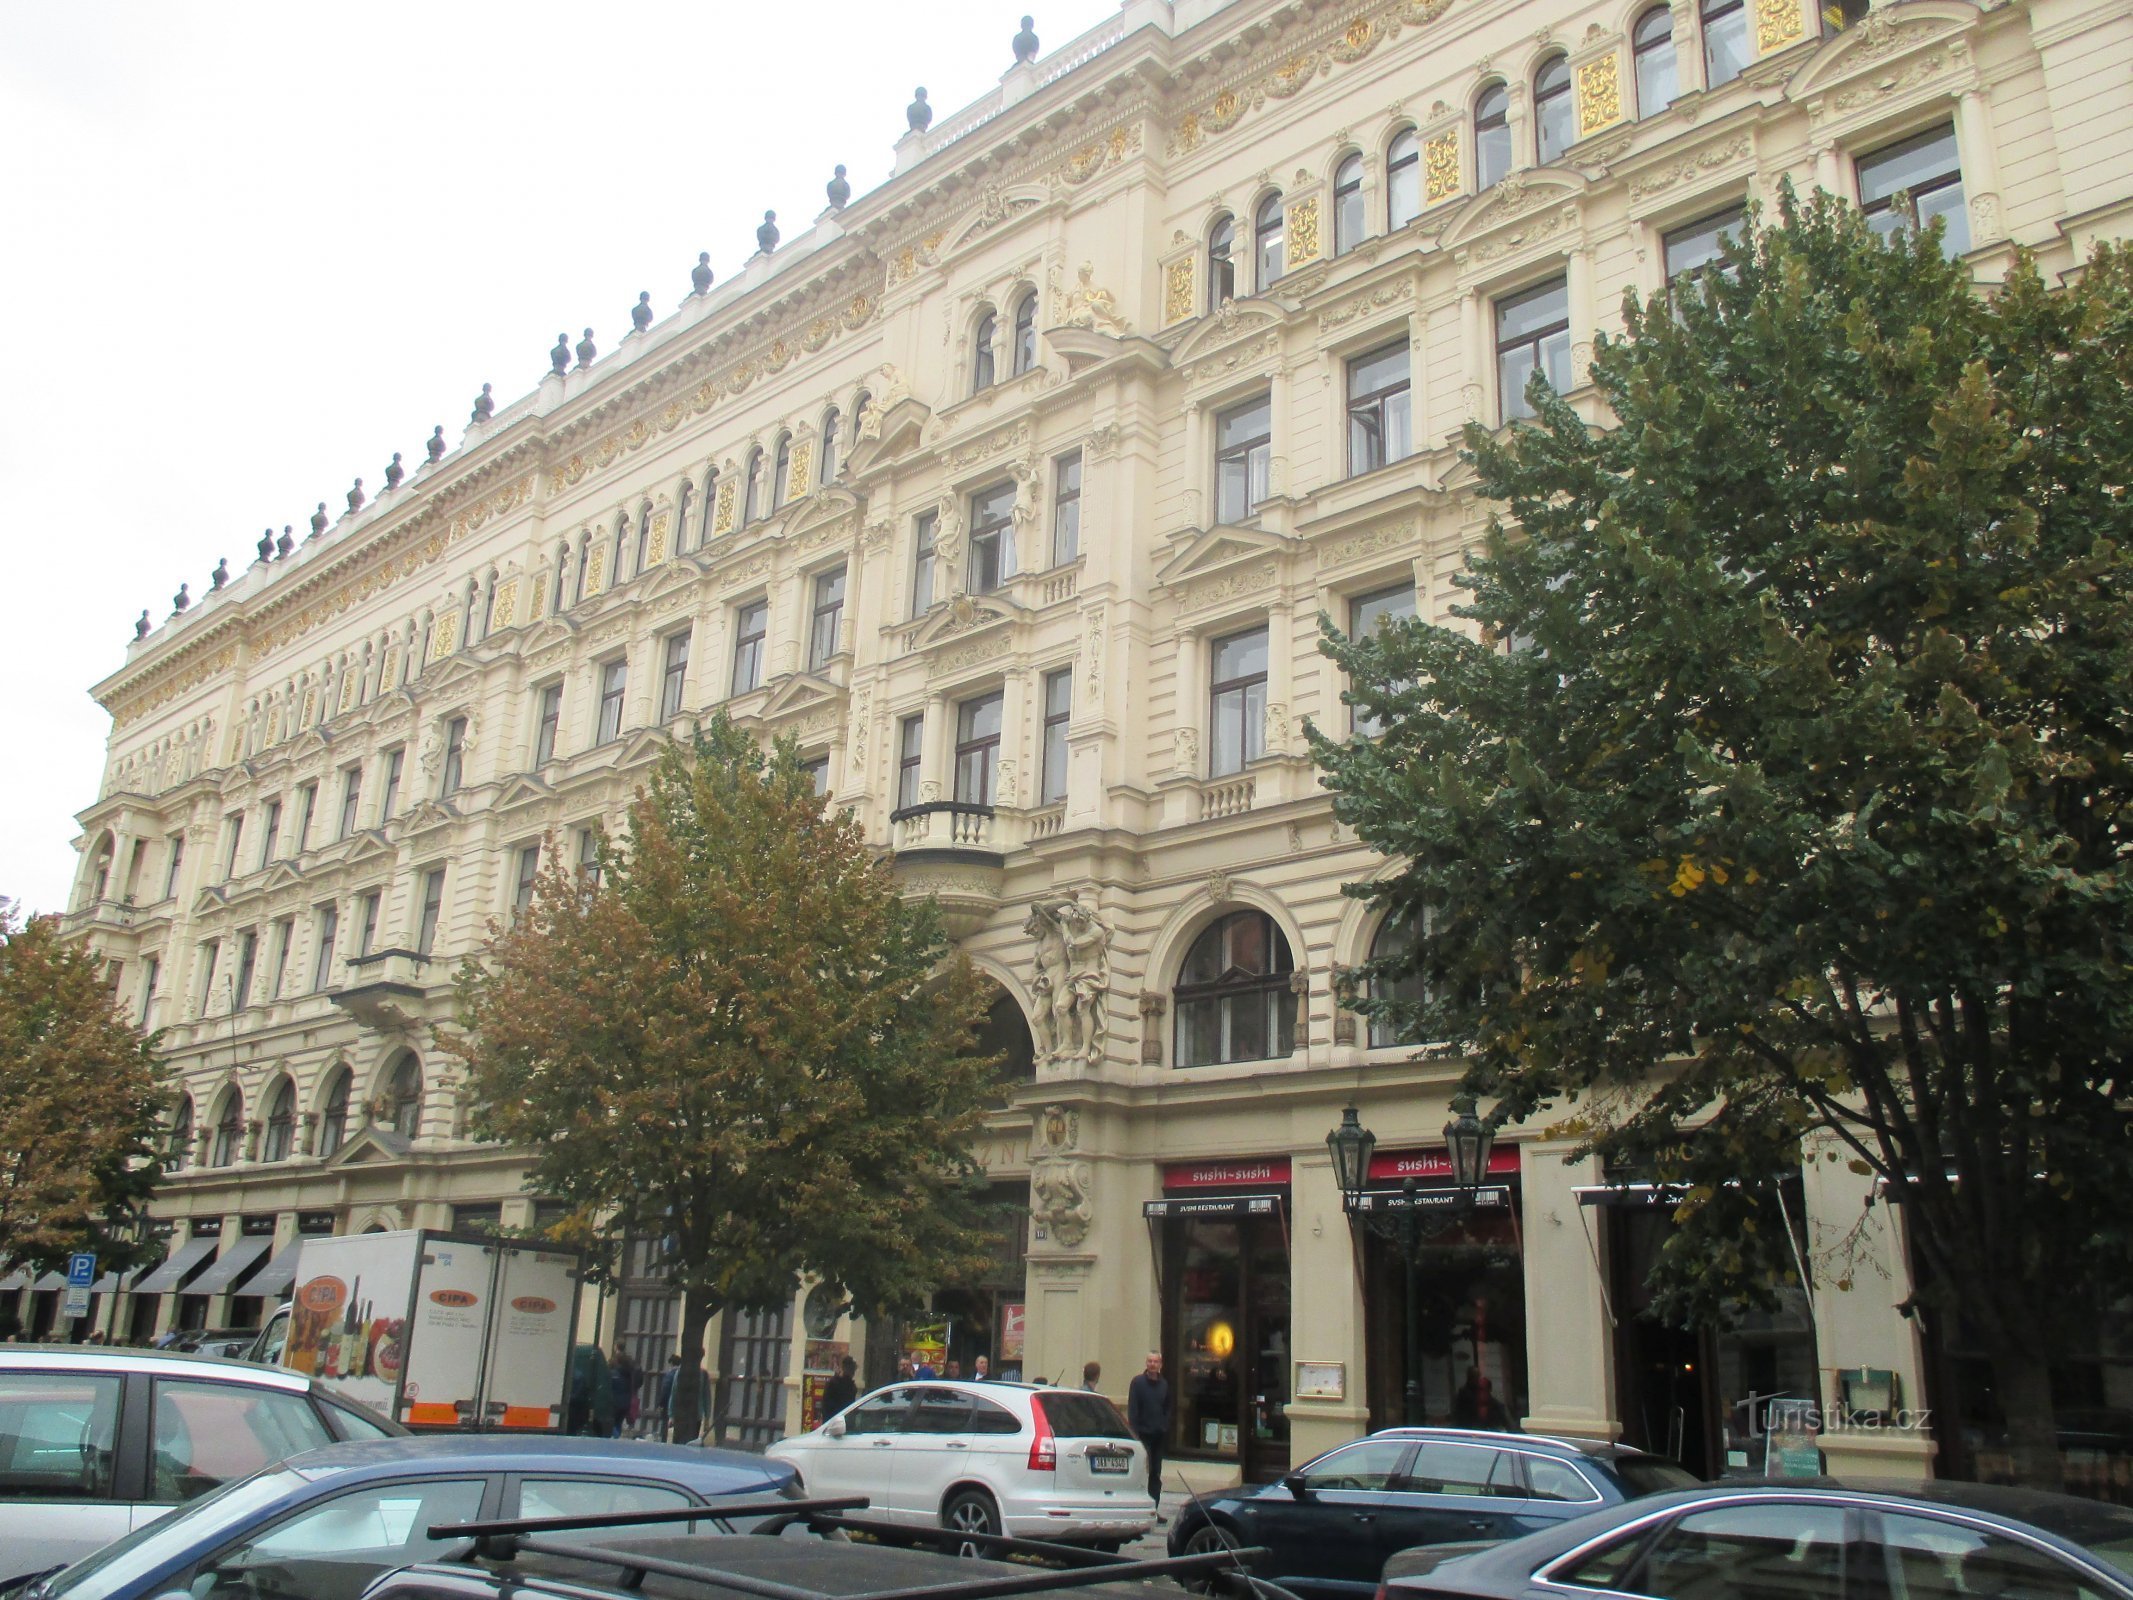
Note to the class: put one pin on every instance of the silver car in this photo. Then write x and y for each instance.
(97, 1442)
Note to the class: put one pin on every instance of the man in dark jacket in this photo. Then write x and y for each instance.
(1148, 1415)
(841, 1390)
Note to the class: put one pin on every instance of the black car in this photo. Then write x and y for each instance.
(1329, 1526)
(1941, 1541)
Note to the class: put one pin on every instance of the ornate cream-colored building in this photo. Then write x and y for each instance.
(1014, 490)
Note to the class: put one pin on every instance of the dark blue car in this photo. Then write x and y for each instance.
(1329, 1526)
(325, 1524)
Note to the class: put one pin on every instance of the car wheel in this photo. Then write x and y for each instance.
(1204, 1541)
(970, 1511)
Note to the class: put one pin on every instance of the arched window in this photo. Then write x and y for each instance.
(333, 1121)
(229, 1131)
(644, 536)
(1025, 333)
(681, 517)
(1395, 938)
(622, 548)
(1267, 253)
(1725, 40)
(1403, 179)
(178, 1154)
(281, 1122)
(1221, 262)
(403, 1097)
(703, 526)
(752, 501)
(1554, 119)
(860, 402)
(781, 471)
(584, 551)
(981, 362)
(1348, 205)
(1652, 48)
(1233, 997)
(830, 442)
(1492, 136)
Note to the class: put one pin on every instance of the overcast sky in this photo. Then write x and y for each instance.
(248, 251)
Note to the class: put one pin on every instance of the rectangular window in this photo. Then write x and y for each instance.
(373, 904)
(149, 974)
(1244, 448)
(922, 561)
(270, 834)
(177, 862)
(529, 873)
(977, 749)
(432, 908)
(1066, 509)
(1726, 50)
(614, 680)
(589, 858)
(674, 675)
(394, 759)
(751, 627)
(1532, 335)
(1058, 709)
(1907, 185)
(828, 619)
(327, 923)
(284, 941)
(910, 756)
(1236, 702)
(233, 835)
(1689, 250)
(306, 809)
(1367, 614)
(548, 716)
(1379, 416)
(992, 537)
(351, 798)
(818, 773)
(455, 757)
(247, 961)
(210, 958)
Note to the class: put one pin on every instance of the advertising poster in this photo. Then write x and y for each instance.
(1014, 1327)
(346, 1319)
(927, 1346)
(536, 1304)
(1790, 1446)
(442, 1378)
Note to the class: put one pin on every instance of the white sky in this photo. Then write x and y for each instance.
(247, 251)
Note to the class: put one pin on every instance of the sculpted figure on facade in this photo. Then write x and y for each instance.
(1071, 983)
(1059, 1178)
(1093, 307)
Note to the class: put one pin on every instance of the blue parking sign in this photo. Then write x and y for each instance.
(81, 1270)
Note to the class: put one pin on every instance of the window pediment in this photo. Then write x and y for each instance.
(425, 814)
(1526, 198)
(799, 694)
(1235, 322)
(523, 790)
(1220, 549)
(1886, 34)
(962, 616)
(1084, 349)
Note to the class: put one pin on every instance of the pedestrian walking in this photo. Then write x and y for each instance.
(1148, 1415)
(841, 1390)
(622, 1375)
(1092, 1374)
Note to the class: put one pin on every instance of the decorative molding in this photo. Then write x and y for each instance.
(1600, 91)
(1440, 167)
(1363, 305)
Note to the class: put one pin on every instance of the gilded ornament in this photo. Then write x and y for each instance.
(857, 313)
(1360, 39)
(1177, 291)
(903, 266)
(505, 611)
(1189, 133)
(1303, 232)
(1440, 166)
(595, 567)
(444, 635)
(1599, 94)
(818, 334)
(796, 484)
(722, 517)
(657, 550)
(1292, 75)
(1223, 114)
(1777, 24)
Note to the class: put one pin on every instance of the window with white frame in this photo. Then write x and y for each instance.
(432, 910)
(753, 500)
(370, 911)
(455, 757)
(923, 532)
(1269, 246)
(527, 877)
(1652, 56)
(1236, 701)
(1244, 452)
(1368, 615)
(977, 749)
(751, 626)
(910, 760)
(1348, 224)
(1726, 51)
(1403, 180)
(1554, 117)
(614, 684)
(1025, 352)
(1380, 427)
(826, 619)
(1058, 711)
(992, 537)
(1066, 509)
(674, 675)
(269, 832)
(1532, 335)
(351, 799)
(1492, 136)
(1690, 249)
(548, 717)
(1908, 184)
(1221, 262)
(826, 468)
(817, 769)
(983, 368)
(325, 924)
(781, 472)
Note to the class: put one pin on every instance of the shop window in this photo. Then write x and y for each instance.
(1348, 205)
(1226, 1338)
(1725, 41)
(1221, 262)
(1403, 180)
(1532, 335)
(1470, 1337)
(1652, 52)
(1492, 136)
(1233, 997)
(1907, 185)
(1554, 118)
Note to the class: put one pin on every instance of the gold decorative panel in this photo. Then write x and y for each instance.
(657, 551)
(1303, 232)
(722, 518)
(1440, 167)
(595, 566)
(505, 611)
(796, 482)
(1777, 24)
(351, 681)
(1599, 94)
(444, 635)
(1177, 291)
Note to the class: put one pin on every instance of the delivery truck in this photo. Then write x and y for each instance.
(435, 1330)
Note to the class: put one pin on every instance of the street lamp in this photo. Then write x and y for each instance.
(1468, 1138)
(1351, 1145)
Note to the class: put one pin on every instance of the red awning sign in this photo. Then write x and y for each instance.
(1252, 1173)
(1435, 1166)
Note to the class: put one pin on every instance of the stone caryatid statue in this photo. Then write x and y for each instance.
(839, 190)
(587, 350)
(436, 446)
(1090, 306)
(558, 358)
(484, 406)
(182, 599)
(1071, 982)
(266, 545)
(700, 274)
(140, 628)
(287, 541)
(355, 496)
(221, 574)
(1026, 41)
(394, 472)
(918, 113)
(641, 312)
(319, 519)
(766, 237)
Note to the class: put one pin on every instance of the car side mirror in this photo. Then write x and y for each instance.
(834, 1427)
(1297, 1485)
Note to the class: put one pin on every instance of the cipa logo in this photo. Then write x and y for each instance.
(533, 1303)
(453, 1297)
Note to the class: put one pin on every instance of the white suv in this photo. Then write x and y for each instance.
(985, 1458)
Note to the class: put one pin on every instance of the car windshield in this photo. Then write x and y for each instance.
(1643, 1475)
(148, 1548)
(1082, 1416)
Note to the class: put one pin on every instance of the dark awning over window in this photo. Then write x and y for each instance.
(117, 1281)
(272, 1281)
(187, 1260)
(51, 1280)
(231, 1265)
(15, 1280)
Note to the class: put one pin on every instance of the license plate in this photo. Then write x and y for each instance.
(1110, 1461)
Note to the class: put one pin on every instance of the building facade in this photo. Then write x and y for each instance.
(1014, 491)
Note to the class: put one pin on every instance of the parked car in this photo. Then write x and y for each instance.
(95, 1442)
(326, 1523)
(1938, 1542)
(986, 1458)
(228, 1343)
(1329, 1525)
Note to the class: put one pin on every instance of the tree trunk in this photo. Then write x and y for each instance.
(2022, 1382)
(688, 1417)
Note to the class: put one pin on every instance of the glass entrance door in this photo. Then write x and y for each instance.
(1226, 1340)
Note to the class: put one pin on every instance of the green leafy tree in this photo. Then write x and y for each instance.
(743, 1042)
(80, 1104)
(1793, 818)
